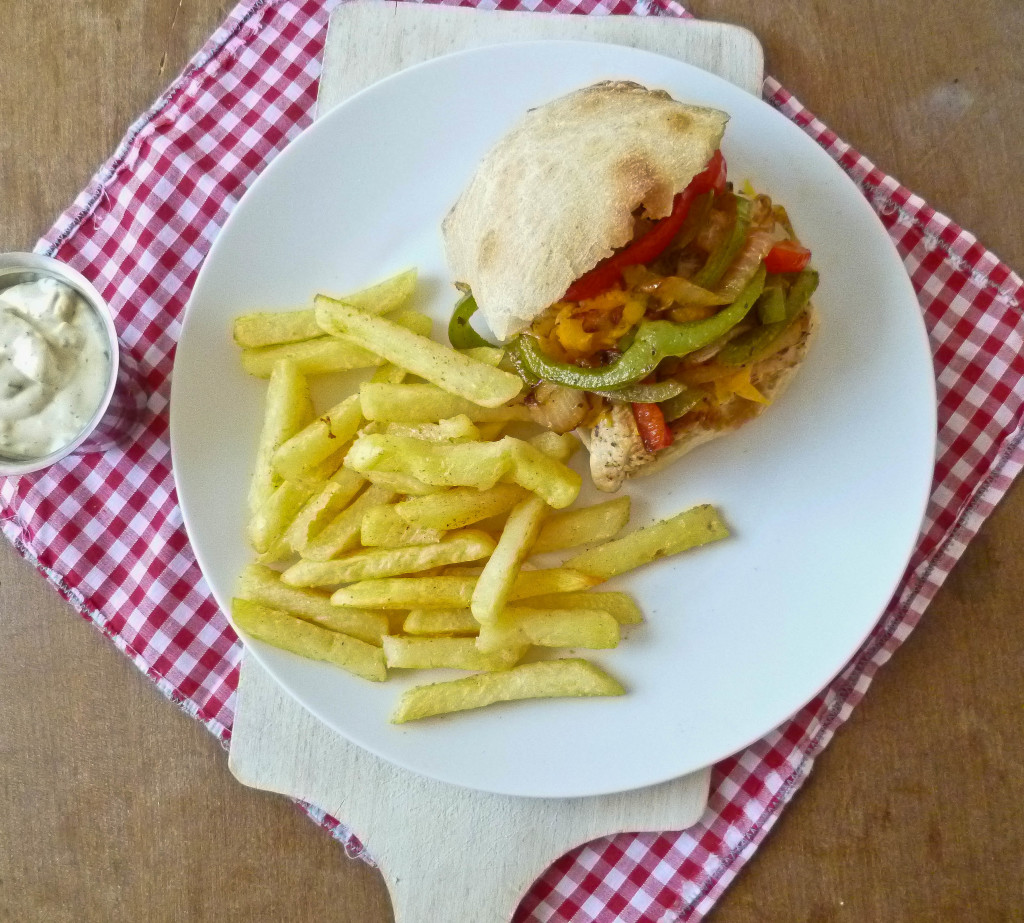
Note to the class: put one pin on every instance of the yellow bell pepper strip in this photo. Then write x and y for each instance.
(749, 346)
(654, 341)
(460, 333)
(723, 255)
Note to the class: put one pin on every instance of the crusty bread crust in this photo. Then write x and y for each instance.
(557, 194)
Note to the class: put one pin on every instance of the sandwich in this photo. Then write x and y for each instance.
(647, 303)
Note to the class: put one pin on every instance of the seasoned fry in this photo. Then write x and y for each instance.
(441, 622)
(291, 633)
(559, 446)
(492, 355)
(448, 653)
(383, 527)
(271, 519)
(341, 534)
(268, 328)
(389, 374)
(452, 592)
(326, 503)
(393, 294)
(590, 628)
(288, 409)
(319, 440)
(454, 429)
(620, 606)
(693, 527)
(597, 523)
(312, 357)
(419, 403)
(468, 464)
(390, 562)
(453, 509)
(401, 483)
(546, 679)
(449, 369)
(324, 354)
(494, 585)
(263, 585)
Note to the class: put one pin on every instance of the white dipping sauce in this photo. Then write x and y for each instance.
(54, 367)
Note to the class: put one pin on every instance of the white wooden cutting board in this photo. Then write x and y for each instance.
(448, 854)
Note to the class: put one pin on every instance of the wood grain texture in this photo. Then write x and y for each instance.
(116, 807)
(400, 816)
(278, 746)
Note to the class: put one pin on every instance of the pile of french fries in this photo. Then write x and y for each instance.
(395, 530)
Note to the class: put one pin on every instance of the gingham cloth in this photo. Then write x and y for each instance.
(107, 532)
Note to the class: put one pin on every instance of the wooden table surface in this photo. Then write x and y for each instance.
(116, 806)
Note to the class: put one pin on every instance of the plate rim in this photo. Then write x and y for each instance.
(335, 113)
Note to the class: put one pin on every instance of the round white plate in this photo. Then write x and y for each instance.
(824, 493)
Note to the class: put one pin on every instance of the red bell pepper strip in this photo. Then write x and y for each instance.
(787, 256)
(650, 421)
(608, 273)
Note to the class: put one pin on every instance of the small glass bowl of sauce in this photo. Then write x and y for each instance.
(59, 363)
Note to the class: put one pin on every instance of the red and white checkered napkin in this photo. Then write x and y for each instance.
(107, 532)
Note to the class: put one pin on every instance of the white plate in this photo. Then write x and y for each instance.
(825, 492)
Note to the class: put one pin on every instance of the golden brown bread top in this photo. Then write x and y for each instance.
(556, 195)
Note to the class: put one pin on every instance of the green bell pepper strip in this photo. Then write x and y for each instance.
(654, 393)
(682, 403)
(771, 306)
(723, 255)
(752, 345)
(514, 354)
(460, 333)
(654, 341)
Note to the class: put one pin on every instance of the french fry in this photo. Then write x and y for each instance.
(291, 633)
(494, 585)
(449, 369)
(263, 585)
(312, 357)
(693, 527)
(569, 528)
(326, 503)
(393, 294)
(388, 374)
(420, 403)
(341, 534)
(382, 527)
(565, 677)
(441, 622)
(320, 440)
(468, 464)
(390, 562)
(289, 407)
(271, 519)
(559, 446)
(492, 355)
(590, 628)
(452, 592)
(454, 429)
(449, 654)
(461, 506)
(325, 354)
(620, 606)
(401, 483)
(267, 328)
